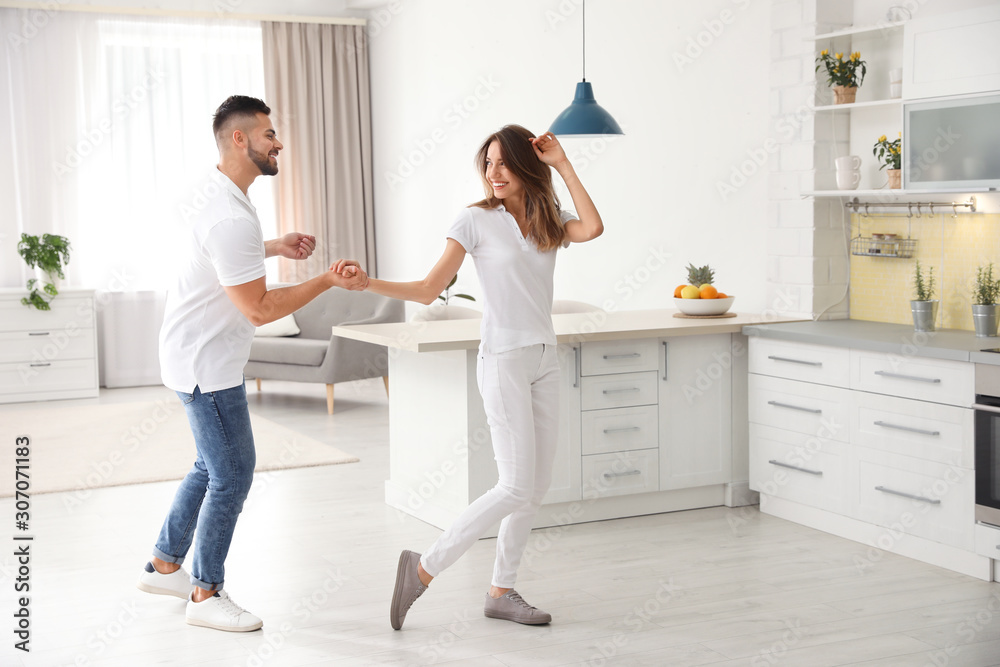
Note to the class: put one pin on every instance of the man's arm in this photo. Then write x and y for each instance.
(261, 305)
(292, 245)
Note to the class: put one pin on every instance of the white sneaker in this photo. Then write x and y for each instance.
(177, 583)
(220, 612)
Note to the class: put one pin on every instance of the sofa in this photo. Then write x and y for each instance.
(315, 355)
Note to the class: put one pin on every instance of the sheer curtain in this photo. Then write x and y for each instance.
(110, 125)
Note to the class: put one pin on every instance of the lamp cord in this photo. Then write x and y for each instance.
(584, 40)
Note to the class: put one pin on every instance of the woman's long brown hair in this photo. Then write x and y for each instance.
(541, 205)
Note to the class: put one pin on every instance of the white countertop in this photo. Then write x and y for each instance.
(570, 328)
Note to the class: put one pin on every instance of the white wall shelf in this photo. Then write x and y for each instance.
(858, 105)
(858, 30)
(885, 192)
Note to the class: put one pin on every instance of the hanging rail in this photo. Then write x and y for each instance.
(856, 205)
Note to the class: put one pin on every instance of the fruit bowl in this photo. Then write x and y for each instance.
(704, 306)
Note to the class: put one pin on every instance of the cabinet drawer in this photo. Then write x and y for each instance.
(619, 356)
(24, 377)
(922, 498)
(942, 433)
(620, 429)
(66, 312)
(618, 391)
(46, 346)
(798, 468)
(620, 473)
(813, 409)
(937, 380)
(821, 364)
(987, 541)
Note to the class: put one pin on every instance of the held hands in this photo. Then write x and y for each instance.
(348, 274)
(295, 245)
(549, 150)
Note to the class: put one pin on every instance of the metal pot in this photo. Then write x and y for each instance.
(985, 319)
(924, 314)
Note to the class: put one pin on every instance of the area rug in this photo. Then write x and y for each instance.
(86, 447)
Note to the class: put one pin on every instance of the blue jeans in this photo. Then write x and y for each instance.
(210, 497)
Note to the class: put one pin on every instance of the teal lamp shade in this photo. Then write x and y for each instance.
(584, 117)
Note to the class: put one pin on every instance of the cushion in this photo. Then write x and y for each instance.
(297, 351)
(285, 326)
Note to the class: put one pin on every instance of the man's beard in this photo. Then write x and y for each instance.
(263, 162)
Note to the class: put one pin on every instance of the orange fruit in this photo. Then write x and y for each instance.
(721, 295)
(677, 292)
(708, 292)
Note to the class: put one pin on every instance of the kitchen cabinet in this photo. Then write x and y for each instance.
(47, 355)
(695, 411)
(869, 445)
(630, 443)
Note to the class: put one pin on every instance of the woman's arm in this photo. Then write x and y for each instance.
(427, 290)
(589, 226)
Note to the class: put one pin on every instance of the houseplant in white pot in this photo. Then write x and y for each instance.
(47, 255)
(924, 307)
(984, 301)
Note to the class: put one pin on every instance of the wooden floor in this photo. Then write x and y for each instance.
(315, 553)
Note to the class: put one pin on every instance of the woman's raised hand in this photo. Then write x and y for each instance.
(548, 149)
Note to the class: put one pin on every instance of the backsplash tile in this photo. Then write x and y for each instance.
(881, 287)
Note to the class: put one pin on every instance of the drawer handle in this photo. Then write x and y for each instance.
(923, 499)
(609, 475)
(789, 465)
(915, 378)
(630, 355)
(576, 365)
(664, 360)
(911, 429)
(795, 361)
(621, 391)
(38, 333)
(815, 411)
(40, 365)
(622, 430)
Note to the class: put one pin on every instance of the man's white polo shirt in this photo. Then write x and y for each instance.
(205, 339)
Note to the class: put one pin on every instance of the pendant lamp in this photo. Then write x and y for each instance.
(584, 117)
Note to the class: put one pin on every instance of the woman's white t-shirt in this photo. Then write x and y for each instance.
(515, 276)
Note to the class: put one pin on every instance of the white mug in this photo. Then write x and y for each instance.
(848, 163)
(896, 75)
(896, 89)
(848, 180)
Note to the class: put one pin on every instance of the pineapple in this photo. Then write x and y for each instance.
(700, 276)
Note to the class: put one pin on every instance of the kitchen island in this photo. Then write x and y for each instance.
(652, 415)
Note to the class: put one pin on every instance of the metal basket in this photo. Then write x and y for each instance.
(872, 247)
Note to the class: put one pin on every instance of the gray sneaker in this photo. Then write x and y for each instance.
(511, 607)
(408, 588)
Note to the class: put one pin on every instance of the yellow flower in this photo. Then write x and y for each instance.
(881, 139)
(855, 56)
(824, 52)
(900, 135)
(838, 56)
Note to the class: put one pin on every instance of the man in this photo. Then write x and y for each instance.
(219, 296)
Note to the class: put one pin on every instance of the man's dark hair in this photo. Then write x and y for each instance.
(237, 106)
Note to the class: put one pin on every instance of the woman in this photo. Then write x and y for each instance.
(512, 235)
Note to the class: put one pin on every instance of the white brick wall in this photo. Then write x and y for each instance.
(807, 265)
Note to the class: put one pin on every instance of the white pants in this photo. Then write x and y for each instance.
(520, 390)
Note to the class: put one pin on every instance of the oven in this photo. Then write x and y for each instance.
(987, 439)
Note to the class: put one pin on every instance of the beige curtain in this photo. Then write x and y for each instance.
(316, 80)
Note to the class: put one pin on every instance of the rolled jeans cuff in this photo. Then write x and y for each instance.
(167, 558)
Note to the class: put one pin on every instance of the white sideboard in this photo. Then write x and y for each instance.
(647, 419)
(872, 446)
(46, 355)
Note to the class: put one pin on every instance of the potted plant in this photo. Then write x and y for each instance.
(890, 155)
(448, 296)
(47, 255)
(984, 301)
(924, 307)
(844, 75)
